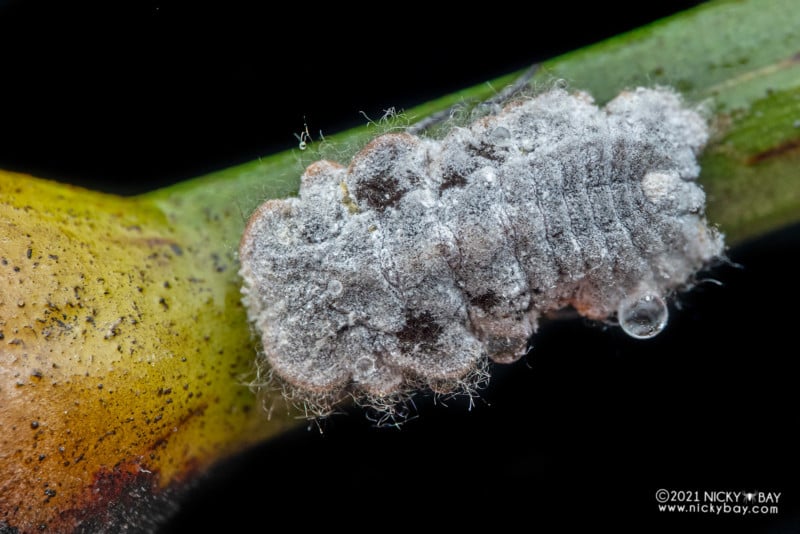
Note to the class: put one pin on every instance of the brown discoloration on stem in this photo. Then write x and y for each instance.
(780, 150)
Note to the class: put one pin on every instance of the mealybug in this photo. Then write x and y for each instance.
(421, 258)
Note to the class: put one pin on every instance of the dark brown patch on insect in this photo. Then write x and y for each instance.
(485, 150)
(377, 180)
(420, 328)
(485, 301)
(380, 192)
(452, 179)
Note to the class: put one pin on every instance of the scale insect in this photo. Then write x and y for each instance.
(421, 258)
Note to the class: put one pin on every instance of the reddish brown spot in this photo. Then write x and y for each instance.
(321, 166)
(125, 496)
(785, 148)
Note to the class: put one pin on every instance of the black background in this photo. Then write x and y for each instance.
(577, 437)
(129, 96)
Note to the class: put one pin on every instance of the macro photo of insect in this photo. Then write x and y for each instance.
(399, 268)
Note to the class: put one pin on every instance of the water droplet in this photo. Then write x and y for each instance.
(500, 136)
(335, 287)
(643, 315)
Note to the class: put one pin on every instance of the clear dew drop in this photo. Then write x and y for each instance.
(335, 287)
(643, 315)
(561, 83)
(364, 366)
(501, 136)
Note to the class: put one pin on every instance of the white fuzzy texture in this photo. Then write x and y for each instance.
(423, 257)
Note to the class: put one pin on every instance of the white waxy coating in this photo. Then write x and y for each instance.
(423, 257)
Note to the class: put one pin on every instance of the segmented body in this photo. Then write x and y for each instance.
(423, 257)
